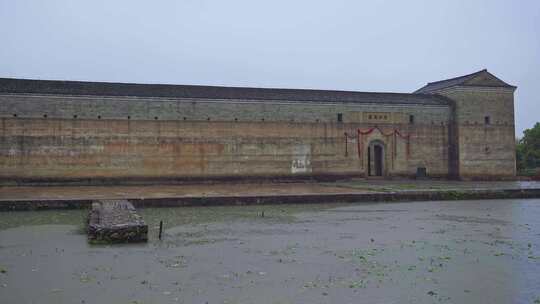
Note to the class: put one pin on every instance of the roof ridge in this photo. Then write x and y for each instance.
(87, 88)
(207, 86)
(460, 81)
(458, 77)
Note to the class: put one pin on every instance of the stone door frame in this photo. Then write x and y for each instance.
(371, 159)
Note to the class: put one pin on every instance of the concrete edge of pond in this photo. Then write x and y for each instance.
(394, 196)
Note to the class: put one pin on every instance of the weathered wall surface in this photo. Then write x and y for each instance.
(142, 108)
(102, 137)
(486, 150)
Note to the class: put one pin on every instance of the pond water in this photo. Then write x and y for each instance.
(416, 252)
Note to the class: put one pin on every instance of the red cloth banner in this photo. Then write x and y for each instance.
(394, 132)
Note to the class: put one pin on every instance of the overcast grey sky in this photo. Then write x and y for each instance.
(394, 46)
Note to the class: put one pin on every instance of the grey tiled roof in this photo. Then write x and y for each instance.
(461, 80)
(60, 87)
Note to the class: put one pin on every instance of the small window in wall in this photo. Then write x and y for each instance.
(487, 120)
(411, 119)
(340, 117)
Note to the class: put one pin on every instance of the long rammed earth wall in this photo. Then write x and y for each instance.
(48, 137)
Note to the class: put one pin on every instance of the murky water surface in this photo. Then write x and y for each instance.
(419, 252)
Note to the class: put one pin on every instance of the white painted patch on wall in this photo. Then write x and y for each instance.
(301, 159)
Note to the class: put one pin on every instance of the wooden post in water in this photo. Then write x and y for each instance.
(160, 229)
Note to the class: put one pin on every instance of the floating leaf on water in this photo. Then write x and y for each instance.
(358, 284)
(84, 279)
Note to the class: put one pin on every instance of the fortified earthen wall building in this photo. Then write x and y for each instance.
(70, 131)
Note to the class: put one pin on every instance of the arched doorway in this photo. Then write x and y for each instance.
(376, 158)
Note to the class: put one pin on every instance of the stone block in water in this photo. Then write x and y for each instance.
(115, 221)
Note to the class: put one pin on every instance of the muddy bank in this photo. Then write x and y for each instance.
(301, 198)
